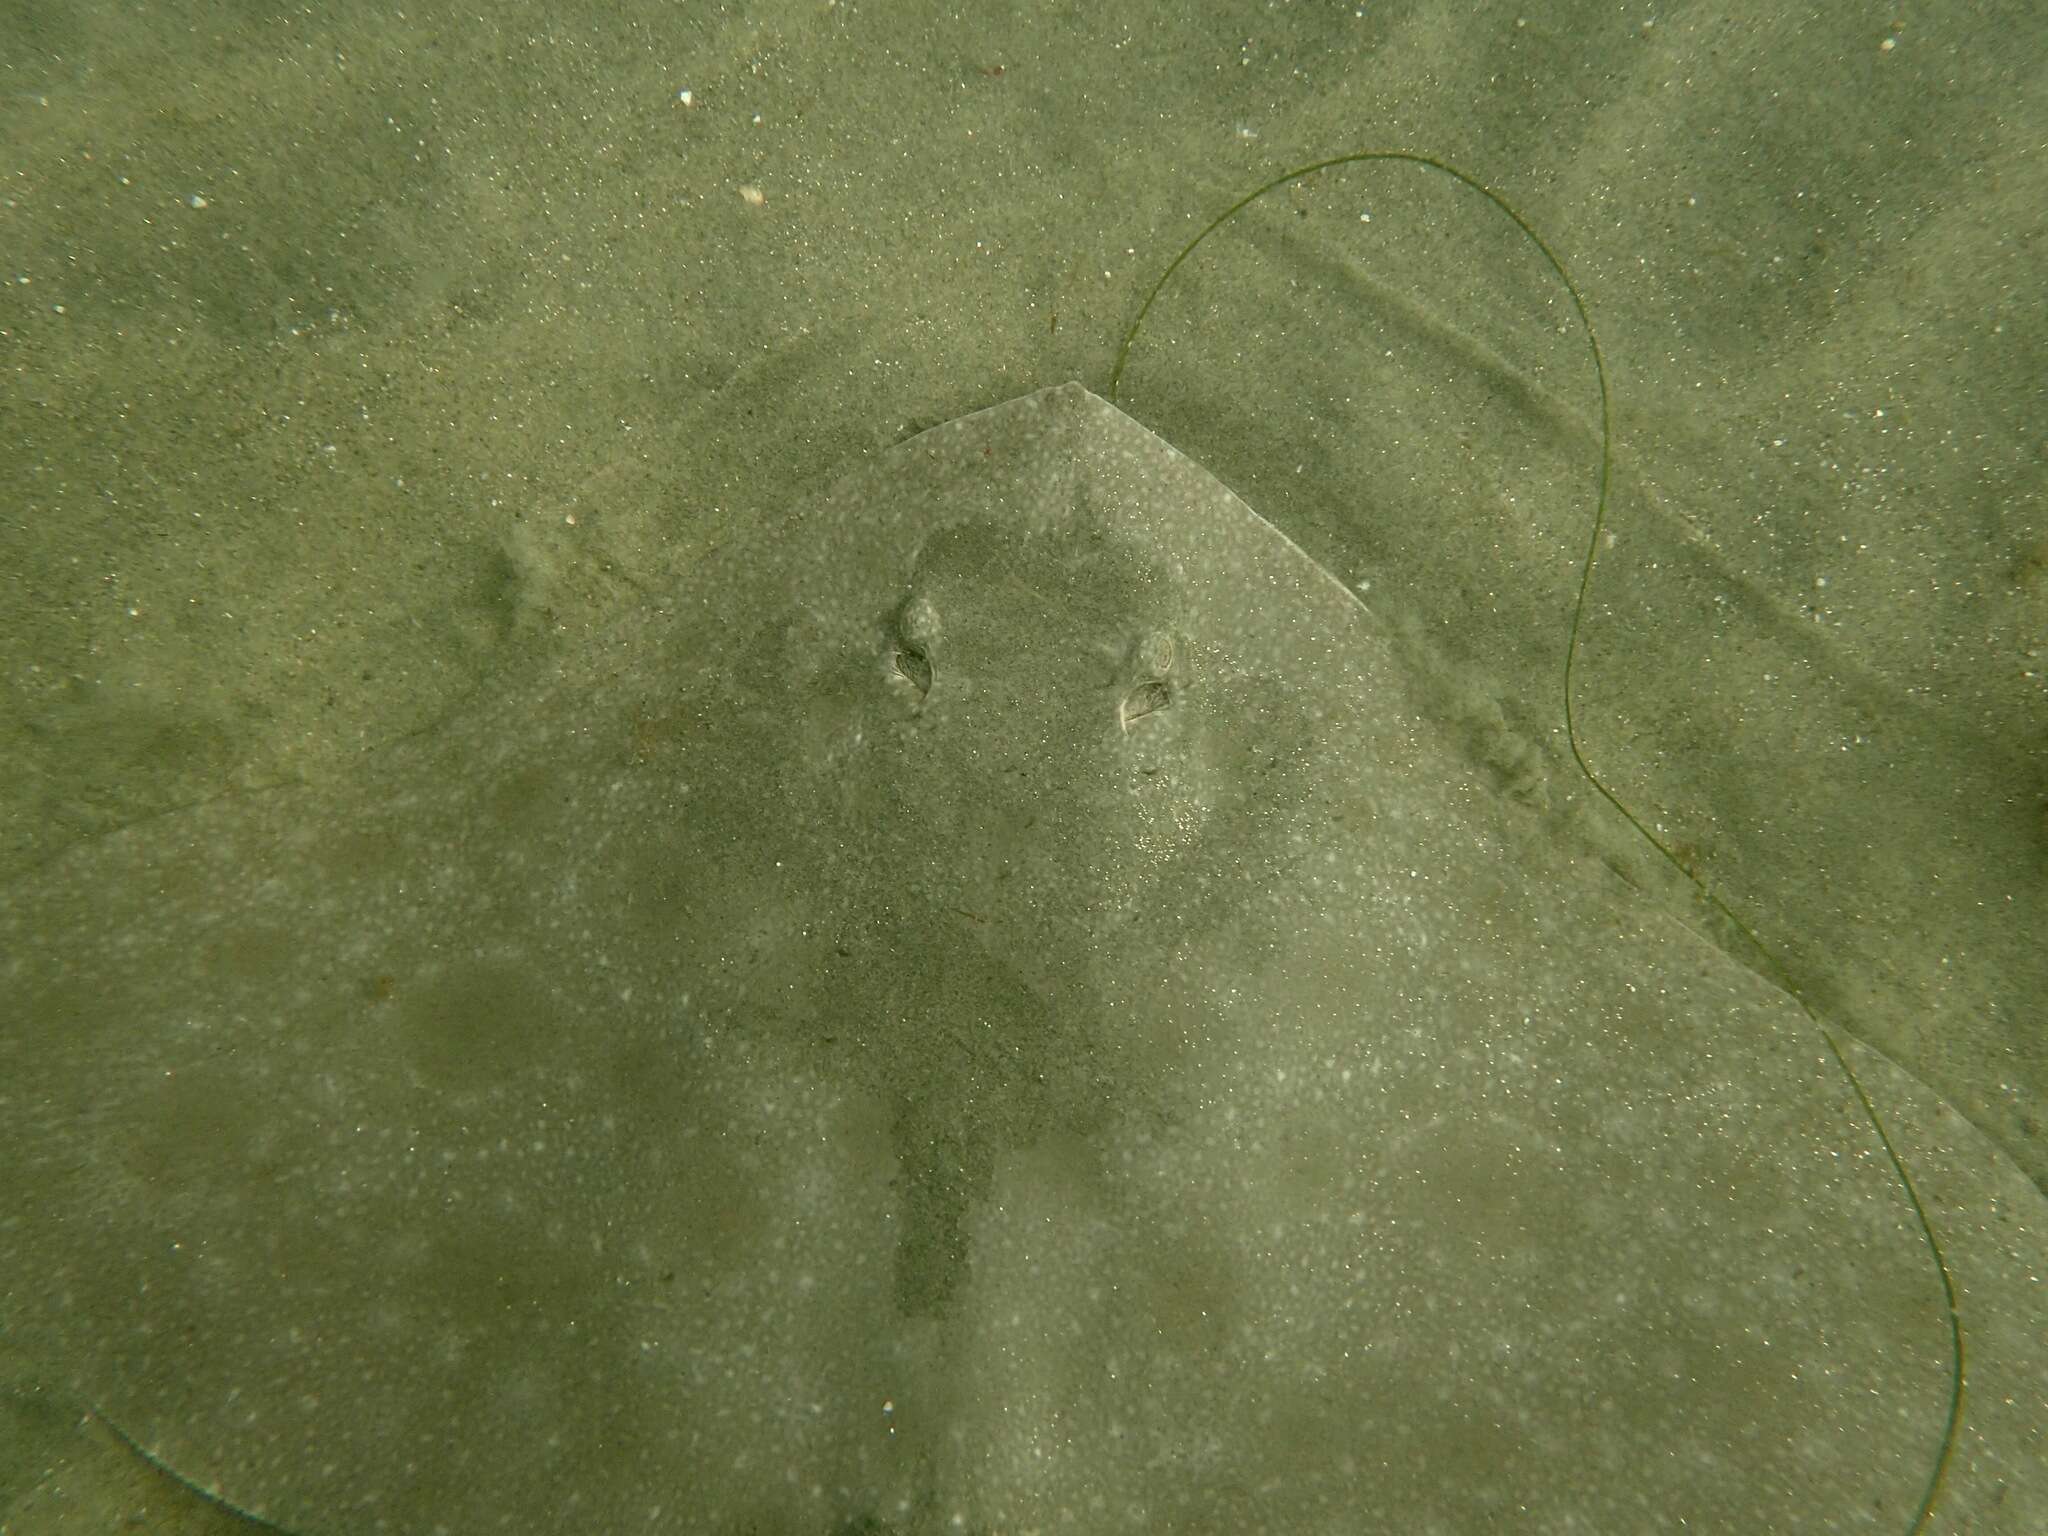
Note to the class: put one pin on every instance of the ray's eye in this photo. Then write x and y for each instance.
(1150, 691)
(917, 636)
(1153, 655)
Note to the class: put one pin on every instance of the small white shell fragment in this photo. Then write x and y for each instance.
(753, 197)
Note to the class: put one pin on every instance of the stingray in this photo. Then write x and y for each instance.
(989, 1008)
